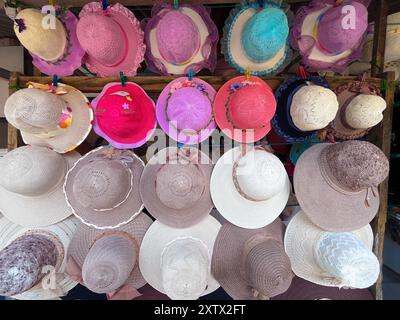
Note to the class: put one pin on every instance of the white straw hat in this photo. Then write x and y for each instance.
(177, 261)
(250, 190)
(331, 259)
(31, 241)
(31, 180)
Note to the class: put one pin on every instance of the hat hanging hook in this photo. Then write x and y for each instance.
(123, 79)
(51, 3)
(104, 5)
(176, 4)
(248, 73)
(301, 72)
(261, 3)
(55, 80)
(190, 75)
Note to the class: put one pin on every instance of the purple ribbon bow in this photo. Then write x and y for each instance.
(21, 24)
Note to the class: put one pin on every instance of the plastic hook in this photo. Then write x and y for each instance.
(123, 78)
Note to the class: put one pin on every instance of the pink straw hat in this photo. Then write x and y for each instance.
(251, 264)
(175, 186)
(337, 184)
(108, 261)
(112, 39)
(184, 110)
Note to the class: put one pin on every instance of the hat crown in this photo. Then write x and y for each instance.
(103, 184)
(313, 107)
(109, 263)
(34, 111)
(356, 165)
(21, 263)
(189, 108)
(264, 34)
(32, 170)
(365, 111)
(336, 31)
(178, 37)
(267, 268)
(252, 107)
(347, 259)
(260, 175)
(102, 38)
(45, 42)
(185, 266)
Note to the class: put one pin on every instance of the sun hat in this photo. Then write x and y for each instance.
(30, 257)
(243, 108)
(124, 115)
(54, 47)
(106, 261)
(175, 186)
(56, 117)
(184, 110)
(177, 261)
(251, 264)
(102, 188)
(360, 108)
(301, 289)
(304, 105)
(112, 39)
(180, 39)
(250, 188)
(327, 37)
(256, 37)
(346, 175)
(333, 259)
(31, 180)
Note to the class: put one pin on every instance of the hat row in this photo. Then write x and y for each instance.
(189, 110)
(256, 36)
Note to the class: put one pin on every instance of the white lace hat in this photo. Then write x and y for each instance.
(342, 259)
(31, 180)
(249, 188)
(177, 262)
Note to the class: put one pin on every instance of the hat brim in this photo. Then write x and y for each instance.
(133, 35)
(159, 235)
(72, 59)
(301, 289)
(64, 231)
(138, 137)
(177, 218)
(76, 133)
(300, 237)
(170, 129)
(116, 217)
(233, 49)
(225, 125)
(234, 207)
(345, 212)
(227, 255)
(85, 236)
(44, 210)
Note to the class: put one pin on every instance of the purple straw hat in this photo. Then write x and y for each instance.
(180, 39)
(184, 110)
(326, 36)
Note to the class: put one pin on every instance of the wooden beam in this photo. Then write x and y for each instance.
(12, 138)
(378, 49)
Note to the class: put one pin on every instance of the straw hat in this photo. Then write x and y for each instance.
(180, 39)
(184, 110)
(177, 261)
(31, 180)
(24, 252)
(102, 188)
(243, 109)
(112, 39)
(251, 264)
(56, 117)
(303, 107)
(54, 48)
(346, 175)
(249, 188)
(360, 109)
(331, 259)
(175, 186)
(257, 38)
(125, 115)
(320, 36)
(107, 261)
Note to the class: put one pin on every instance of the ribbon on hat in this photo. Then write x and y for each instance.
(21, 24)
